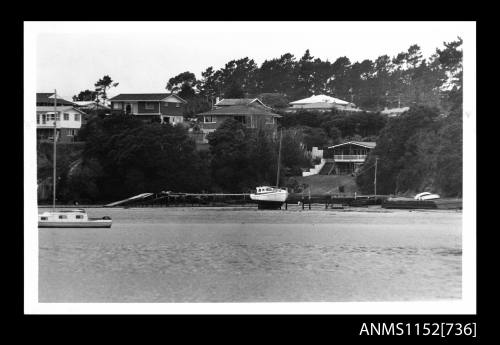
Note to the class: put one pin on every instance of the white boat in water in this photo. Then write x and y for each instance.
(426, 196)
(271, 197)
(75, 218)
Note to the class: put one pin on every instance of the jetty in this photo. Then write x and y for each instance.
(171, 199)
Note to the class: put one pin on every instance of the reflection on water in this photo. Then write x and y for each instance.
(249, 255)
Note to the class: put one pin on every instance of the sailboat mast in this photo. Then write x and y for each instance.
(279, 160)
(54, 181)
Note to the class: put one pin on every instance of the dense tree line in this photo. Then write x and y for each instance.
(243, 158)
(421, 150)
(330, 128)
(124, 156)
(403, 80)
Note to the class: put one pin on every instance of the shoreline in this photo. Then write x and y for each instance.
(250, 207)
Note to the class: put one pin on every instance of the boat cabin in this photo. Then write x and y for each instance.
(267, 189)
(64, 216)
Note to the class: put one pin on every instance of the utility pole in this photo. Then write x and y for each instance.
(279, 161)
(54, 180)
(375, 179)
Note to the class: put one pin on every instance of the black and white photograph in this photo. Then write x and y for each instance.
(250, 167)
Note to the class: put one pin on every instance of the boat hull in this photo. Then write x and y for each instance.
(269, 205)
(86, 224)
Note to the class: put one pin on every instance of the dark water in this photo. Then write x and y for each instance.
(245, 255)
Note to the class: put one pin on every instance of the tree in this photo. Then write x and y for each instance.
(406, 149)
(183, 84)
(86, 95)
(278, 76)
(229, 149)
(102, 87)
(234, 90)
(274, 100)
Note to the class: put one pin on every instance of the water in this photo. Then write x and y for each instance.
(250, 255)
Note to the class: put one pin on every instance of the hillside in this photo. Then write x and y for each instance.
(323, 184)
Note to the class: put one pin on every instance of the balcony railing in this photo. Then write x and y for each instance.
(349, 158)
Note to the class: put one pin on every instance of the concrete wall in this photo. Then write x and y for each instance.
(317, 168)
(316, 153)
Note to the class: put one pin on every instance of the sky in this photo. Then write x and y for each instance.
(143, 56)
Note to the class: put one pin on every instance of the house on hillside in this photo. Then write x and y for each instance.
(346, 158)
(68, 118)
(322, 103)
(252, 113)
(167, 107)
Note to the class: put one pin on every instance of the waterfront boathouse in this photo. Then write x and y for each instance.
(347, 158)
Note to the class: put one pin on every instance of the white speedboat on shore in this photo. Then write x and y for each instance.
(269, 197)
(426, 196)
(74, 218)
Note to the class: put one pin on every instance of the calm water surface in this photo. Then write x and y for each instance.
(246, 255)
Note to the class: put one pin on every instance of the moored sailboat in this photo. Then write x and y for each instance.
(271, 197)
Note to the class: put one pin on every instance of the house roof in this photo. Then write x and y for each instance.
(144, 97)
(367, 144)
(240, 110)
(90, 104)
(321, 105)
(239, 101)
(320, 99)
(46, 97)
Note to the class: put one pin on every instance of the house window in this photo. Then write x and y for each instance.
(166, 104)
(117, 106)
(44, 218)
(149, 106)
(79, 217)
(177, 105)
(51, 117)
(72, 132)
(270, 120)
(77, 117)
(242, 119)
(63, 217)
(44, 119)
(37, 119)
(209, 119)
(66, 117)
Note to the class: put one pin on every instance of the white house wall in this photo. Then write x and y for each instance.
(71, 123)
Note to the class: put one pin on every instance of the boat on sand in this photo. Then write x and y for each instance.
(268, 197)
